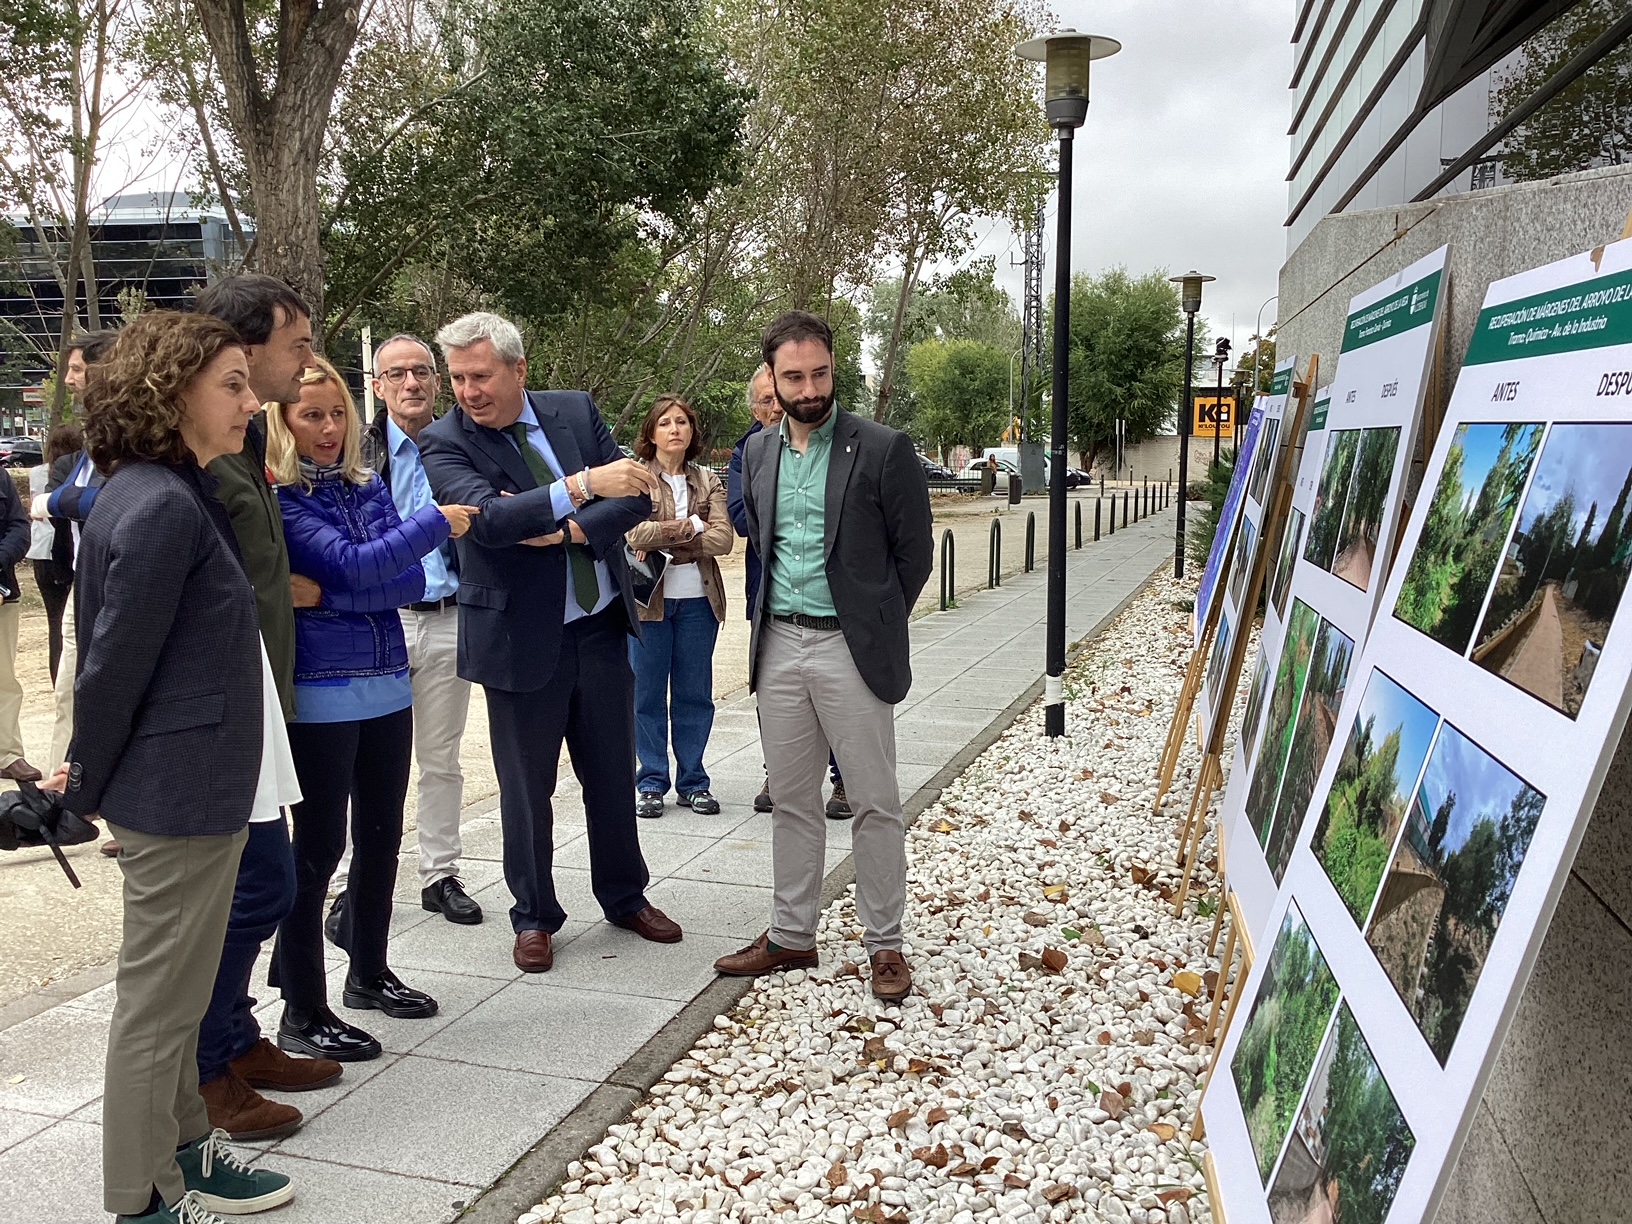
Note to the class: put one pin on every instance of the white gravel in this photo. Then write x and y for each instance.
(1046, 1067)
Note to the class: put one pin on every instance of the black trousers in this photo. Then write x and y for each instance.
(366, 764)
(589, 704)
(55, 582)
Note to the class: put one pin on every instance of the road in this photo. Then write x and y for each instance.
(1537, 664)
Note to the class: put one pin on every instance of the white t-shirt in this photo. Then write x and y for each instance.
(277, 787)
(683, 581)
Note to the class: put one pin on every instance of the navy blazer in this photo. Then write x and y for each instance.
(167, 698)
(513, 596)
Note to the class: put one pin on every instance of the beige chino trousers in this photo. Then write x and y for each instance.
(812, 698)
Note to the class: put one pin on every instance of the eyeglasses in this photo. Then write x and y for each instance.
(395, 375)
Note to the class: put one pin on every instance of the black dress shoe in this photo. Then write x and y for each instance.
(331, 924)
(447, 897)
(388, 994)
(322, 1034)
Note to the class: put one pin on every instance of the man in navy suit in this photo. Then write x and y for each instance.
(545, 608)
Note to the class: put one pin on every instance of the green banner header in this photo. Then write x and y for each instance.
(1412, 307)
(1282, 383)
(1593, 314)
(1317, 419)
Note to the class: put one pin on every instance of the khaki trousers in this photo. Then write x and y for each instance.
(62, 731)
(11, 692)
(178, 894)
(811, 699)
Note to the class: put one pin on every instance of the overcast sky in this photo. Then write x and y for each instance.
(1182, 163)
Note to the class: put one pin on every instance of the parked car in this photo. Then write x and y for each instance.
(1004, 470)
(20, 452)
(934, 471)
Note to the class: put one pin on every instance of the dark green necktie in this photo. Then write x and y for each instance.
(586, 588)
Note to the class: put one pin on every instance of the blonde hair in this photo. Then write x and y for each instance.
(283, 460)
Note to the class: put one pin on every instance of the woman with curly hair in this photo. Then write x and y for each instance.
(175, 722)
(354, 721)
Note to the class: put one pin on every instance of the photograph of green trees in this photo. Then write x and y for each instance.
(1282, 1036)
(1331, 496)
(1346, 1155)
(1328, 677)
(1215, 661)
(1350, 500)
(1255, 705)
(1466, 530)
(1466, 834)
(1563, 576)
(1246, 548)
(1283, 567)
(1301, 628)
(1371, 790)
(1264, 459)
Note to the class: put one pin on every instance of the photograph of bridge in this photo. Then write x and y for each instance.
(1564, 572)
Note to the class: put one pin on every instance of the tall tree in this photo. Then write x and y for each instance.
(962, 390)
(1590, 122)
(279, 74)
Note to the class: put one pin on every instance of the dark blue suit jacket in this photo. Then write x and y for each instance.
(737, 508)
(512, 596)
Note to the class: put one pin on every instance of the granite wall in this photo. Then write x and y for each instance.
(1551, 1140)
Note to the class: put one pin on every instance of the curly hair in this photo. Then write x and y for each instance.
(133, 405)
(646, 448)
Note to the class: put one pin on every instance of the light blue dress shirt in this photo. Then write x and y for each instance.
(411, 491)
(561, 503)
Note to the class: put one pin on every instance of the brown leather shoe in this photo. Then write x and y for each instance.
(245, 1114)
(651, 923)
(21, 771)
(759, 958)
(266, 1066)
(111, 847)
(533, 953)
(892, 980)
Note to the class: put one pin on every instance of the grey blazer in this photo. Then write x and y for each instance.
(879, 542)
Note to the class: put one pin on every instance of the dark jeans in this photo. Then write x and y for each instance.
(334, 761)
(55, 582)
(589, 705)
(674, 686)
(261, 899)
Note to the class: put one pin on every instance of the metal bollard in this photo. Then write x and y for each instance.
(1124, 507)
(1079, 524)
(994, 556)
(1097, 506)
(1112, 530)
(1031, 540)
(1102, 484)
(949, 583)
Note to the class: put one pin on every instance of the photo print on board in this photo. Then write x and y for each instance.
(1246, 545)
(1284, 566)
(1255, 703)
(1371, 791)
(1301, 628)
(1264, 459)
(1565, 570)
(1466, 834)
(1466, 529)
(1282, 1036)
(1350, 500)
(1216, 661)
(1326, 679)
(1348, 1150)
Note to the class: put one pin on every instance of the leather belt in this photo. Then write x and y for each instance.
(808, 622)
(435, 605)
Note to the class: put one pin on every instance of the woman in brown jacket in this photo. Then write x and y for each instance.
(674, 658)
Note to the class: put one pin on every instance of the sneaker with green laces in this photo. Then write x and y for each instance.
(224, 1183)
(189, 1209)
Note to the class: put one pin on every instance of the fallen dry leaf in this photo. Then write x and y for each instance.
(1111, 1103)
(1144, 1037)
(1107, 798)
(1178, 1194)
(943, 826)
(848, 969)
(1139, 874)
(937, 1115)
(1092, 936)
(1065, 826)
(1030, 961)
(1187, 982)
(985, 895)
(1058, 1192)
(1105, 1037)
(1054, 892)
(989, 1163)
(1054, 960)
(1163, 1130)
(838, 1175)
(935, 1157)
(963, 1170)
(874, 1047)
(899, 1118)
(1084, 774)
(1036, 919)
(1126, 1089)
(1049, 842)
(1015, 1182)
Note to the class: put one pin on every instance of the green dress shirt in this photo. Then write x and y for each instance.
(797, 566)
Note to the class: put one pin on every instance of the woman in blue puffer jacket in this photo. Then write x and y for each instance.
(354, 727)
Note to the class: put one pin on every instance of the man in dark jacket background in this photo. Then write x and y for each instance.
(14, 535)
(767, 414)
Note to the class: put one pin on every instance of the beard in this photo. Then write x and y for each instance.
(812, 411)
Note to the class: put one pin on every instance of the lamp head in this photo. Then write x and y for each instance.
(1066, 56)
(1190, 289)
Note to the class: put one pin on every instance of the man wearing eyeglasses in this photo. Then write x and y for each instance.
(405, 380)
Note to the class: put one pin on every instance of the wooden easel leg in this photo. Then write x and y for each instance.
(1218, 925)
(1225, 964)
(1211, 775)
(1176, 730)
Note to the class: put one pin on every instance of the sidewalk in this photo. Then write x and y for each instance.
(419, 1134)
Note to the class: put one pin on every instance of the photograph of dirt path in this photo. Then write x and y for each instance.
(1564, 573)
(1465, 533)
(1301, 628)
(1282, 1036)
(1283, 567)
(1346, 1155)
(1328, 677)
(1350, 500)
(1466, 834)
(1371, 790)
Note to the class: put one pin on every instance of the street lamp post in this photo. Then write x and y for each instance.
(1190, 299)
(1066, 56)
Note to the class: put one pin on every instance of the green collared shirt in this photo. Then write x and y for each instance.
(796, 568)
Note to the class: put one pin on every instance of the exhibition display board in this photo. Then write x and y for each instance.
(1483, 711)
(1330, 573)
(1228, 520)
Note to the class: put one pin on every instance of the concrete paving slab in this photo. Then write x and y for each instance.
(52, 1176)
